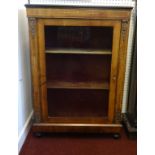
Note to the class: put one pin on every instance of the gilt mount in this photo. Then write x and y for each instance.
(32, 25)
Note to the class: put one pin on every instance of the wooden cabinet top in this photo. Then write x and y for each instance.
(50, 11)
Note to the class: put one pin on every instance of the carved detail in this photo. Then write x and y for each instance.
(118, 116)
(37, 111)
(37, 117)
(124, 28)
(32, 26)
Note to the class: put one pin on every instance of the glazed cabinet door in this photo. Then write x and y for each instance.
(78, 63)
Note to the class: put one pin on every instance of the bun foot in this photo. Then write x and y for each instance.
(116, 136)
(37, 134)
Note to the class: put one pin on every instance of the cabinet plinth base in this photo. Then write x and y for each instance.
(87, 128)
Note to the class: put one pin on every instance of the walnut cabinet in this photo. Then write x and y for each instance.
(78, 57)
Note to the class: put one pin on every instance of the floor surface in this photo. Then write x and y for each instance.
(78, 144)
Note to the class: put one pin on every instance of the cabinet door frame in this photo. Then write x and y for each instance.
(116, 24)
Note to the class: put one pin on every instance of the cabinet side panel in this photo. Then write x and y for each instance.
(114, 68)
(42, 62)
(122, 67)
(35, 68)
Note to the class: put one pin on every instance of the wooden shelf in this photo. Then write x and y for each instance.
(78, 51)
(77, 85)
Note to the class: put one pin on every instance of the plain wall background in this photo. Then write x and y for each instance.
(25, 108)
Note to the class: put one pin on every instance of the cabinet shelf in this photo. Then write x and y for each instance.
(79, 51)
(78, 85)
